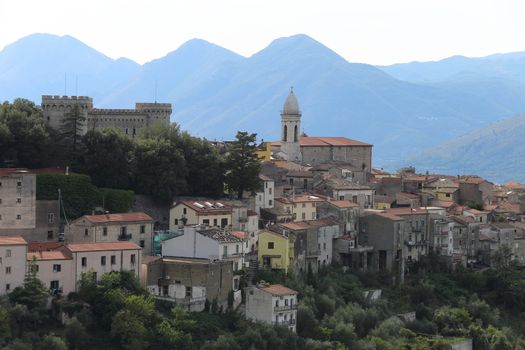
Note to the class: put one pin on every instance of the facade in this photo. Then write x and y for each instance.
(212, 244)
(342, 189)
(129, 121)
(275, 251)
(344, 212)
(55, 270)
(17, 199)
(264, 198)
(272, 304)
(207, 213)
(474, 189)
(303, 207)
(13, 250)
(189, 281)
(101, 258)
(134, 227)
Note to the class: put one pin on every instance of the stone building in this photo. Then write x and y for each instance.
(13, 252)
(189, 282)
(298, 147)
(129, 121)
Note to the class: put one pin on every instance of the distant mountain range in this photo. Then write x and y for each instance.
(401, 109)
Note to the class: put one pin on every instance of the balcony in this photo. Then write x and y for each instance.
(290, 322)
(285, 308)
(124, 237)
(415, 243)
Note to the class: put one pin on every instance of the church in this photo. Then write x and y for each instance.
(314, 150)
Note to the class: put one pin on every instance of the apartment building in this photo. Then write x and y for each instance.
(13, 250)
(207, 213)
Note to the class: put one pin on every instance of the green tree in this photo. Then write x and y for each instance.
(243, 165)
(5, 326)
(77, 337)
(23, 136)
(51, 341)
(33, 294)
(71, 131)
(107, 158)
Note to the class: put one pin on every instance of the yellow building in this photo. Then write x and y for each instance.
(187, 213)
(275, 251)
(301, 208)
(383, 202)
(264, 151)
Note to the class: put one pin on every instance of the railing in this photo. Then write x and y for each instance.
(286, 322)
(285, 307)
(124, 237)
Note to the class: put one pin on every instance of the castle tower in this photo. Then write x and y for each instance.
(55, 108)
(291, 128)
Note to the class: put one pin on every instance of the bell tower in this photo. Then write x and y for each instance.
(291, 128)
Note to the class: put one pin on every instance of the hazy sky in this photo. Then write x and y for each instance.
(371, 31)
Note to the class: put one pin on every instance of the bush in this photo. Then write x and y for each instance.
(116, 201)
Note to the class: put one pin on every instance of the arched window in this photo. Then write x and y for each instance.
(285, 133)
(295, 139)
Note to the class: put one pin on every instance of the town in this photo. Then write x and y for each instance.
(299, 205)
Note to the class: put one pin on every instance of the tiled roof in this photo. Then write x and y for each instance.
(309, 141)
(303, 225)
(265, 178)
(43, 246)
(476, 212)
(443, 204)
(389, 216)
(484, 238)
(273, 233)
(220, 235)
(408, 195)
(12, 240)
(207, 207)
(406, 211)
(93, 247)
(475, 180)
(419, 178)
(463, 219)
(343, 203)
(278, 289)
(13, 171)
(299, 199)
(48, 255)
(121, 217)
(240, 234)
(383, 199)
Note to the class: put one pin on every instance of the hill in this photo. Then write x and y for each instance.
(216, 92)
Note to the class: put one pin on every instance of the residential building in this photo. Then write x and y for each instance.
(301, 207)
(190, 281)
(207, 243)
(55, 269)
(349, 252)
(100, 258)
(13, 250)
(342, 189)
(383, 202)
(299, 181)
(344, 212)
(272, 304)
(207, 213)
(477, 215)
(264, 198)
(466, 239)
(133, 227)
(405, 199)
(474, 189)
(275, 251)
(443, 237)
(17, 199)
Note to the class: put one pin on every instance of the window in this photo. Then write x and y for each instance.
(266, 184)
(225, 250)
(84, 262)
(8, 270)
(0, 200)
(19, 200)
(303, 215)
(123, 230)
(206, 222)
(324, 246)
(86, 232)
(113, 260)
(19, 184)
(104, 231)
(237, 248)
(286, 302)
(57, 267)
(276, 302)
(188, 292)
(142, 228)
(270, 202)
(7, 287)
(313, 216)
(142, 243)
(50, 234)
(8, 253)
(184, 211)
(132, 259)
(270, 190)
(214, 222)
(270, 245)
(54, 285)
(176, 222)
(224, 222)
(19, 217)
(103, 260)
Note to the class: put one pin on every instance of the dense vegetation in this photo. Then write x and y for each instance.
(488, 307)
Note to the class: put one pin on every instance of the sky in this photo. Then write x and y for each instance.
(370, 31)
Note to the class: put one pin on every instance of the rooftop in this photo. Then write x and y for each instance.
(220, 235)
(120, 217)
(277, 289)
(303, 225)
(206, 206)
(12, 240)
(299, 199)
(314, 141)
(343, 203)
(47, 255)
(93, 247)
(14, 171)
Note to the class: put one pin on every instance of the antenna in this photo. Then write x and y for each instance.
(76, 85)
(65, 84)
(155, 90)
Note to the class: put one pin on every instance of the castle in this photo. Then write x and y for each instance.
(129, 121)
(300, 148)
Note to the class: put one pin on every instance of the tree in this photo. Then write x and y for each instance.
(76, 336)
(33, 294)
(5, 327)
(51, 341)
(71, 131)
(243, 165)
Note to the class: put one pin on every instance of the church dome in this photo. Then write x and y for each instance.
(291, 106)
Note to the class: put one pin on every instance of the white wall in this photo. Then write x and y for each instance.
(17, 264)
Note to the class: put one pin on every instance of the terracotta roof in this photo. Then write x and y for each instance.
(273, 233)
(265, 178)
(14, 171)
(379, 172)
(383, 199)
(221, 235)
(303, 225)
(309, 141)
(463, 219)
(406, 211)
(50, 170)
(419, 178)
(343, 203)
(476, 212)
(121, 217)
(484, 238)
(48, 255)
(408, 195)
(43, 246)
(240, 234)
(443, 204)
(278, 289)
(515, 185)
(299, 199)
(390, 180)
(389, 216)
(93, 247)
(207, 206)
(12, 240)
(475, 180)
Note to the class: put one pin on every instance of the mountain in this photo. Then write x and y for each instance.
(216, 92)
(495, 152)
